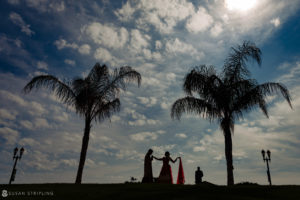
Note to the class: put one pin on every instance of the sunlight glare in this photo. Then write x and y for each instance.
(240, 5)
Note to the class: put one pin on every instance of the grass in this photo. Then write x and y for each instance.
(149, 191)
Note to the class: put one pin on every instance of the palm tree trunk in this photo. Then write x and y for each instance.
(228, 155)
(84, 147)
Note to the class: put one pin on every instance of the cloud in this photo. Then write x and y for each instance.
(42, 65)
(162, 18)
(10, 135)
(199, 148)
(12, 97)
(46, 5)
(125, 13)
(164, 105)
(162, 149)
(18, 20)
(216, 30)
(158, 44)
(41, 123)
(200, 21)
(148, 102)
(144, 136)
(181, 135)
(175, 46)
(293, 73)
(103, 55)
(139, 40)
(70, 62)
(107, 35)
(275, 22)
(84, 49)
(6, 114)
(139, 119)
(26, 124)
(62, 43)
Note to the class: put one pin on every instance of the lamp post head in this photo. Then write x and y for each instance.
(21, 152)
(15, 151)
(263, 154)
(269, 154)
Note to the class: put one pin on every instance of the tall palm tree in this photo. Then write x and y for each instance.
(226, 96)
(94, 97)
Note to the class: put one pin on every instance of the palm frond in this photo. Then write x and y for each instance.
(105, 110)
(194, 105)
(200, 80)
(99, 73)
(270, 88)
(235, 64)
(62, 89)
(250, 98)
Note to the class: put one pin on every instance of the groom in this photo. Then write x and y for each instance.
(148, 176)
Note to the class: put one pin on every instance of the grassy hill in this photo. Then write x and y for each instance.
(147, 191)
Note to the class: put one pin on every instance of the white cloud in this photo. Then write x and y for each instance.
(148, 102)
(125, 13)
(275, 22)
(62, 43)
(199, 148)
(160, 150)
(164, 105)
(175, 46)
(115, 118)
(293, 74)
(106, 35)
(200, 21)
(36, 109)
(181, 135)
(70, 62)
(10, 135)
(69, 162)
(163, 14)
(144, 136)
(5, 114)
(216, 30)
(84, 49)
(28, 141)
(138, 40)
(42, 65)
(18, 20)
(39, 161)
(12, 97)
(103, 55)
(63, 117)
(46, 5)
(41, 123)
(158, 44)
(26, 124)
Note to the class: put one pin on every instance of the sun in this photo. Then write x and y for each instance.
(240, 5)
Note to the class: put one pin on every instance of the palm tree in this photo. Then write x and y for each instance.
(226, 96)
(94, 97)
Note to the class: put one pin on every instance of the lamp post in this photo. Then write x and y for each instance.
(267, 158)
(16, 158)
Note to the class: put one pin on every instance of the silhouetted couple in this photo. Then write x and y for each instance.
(165, 175)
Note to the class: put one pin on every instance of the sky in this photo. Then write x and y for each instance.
(163, 40)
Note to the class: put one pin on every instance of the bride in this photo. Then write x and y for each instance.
(165, 175)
